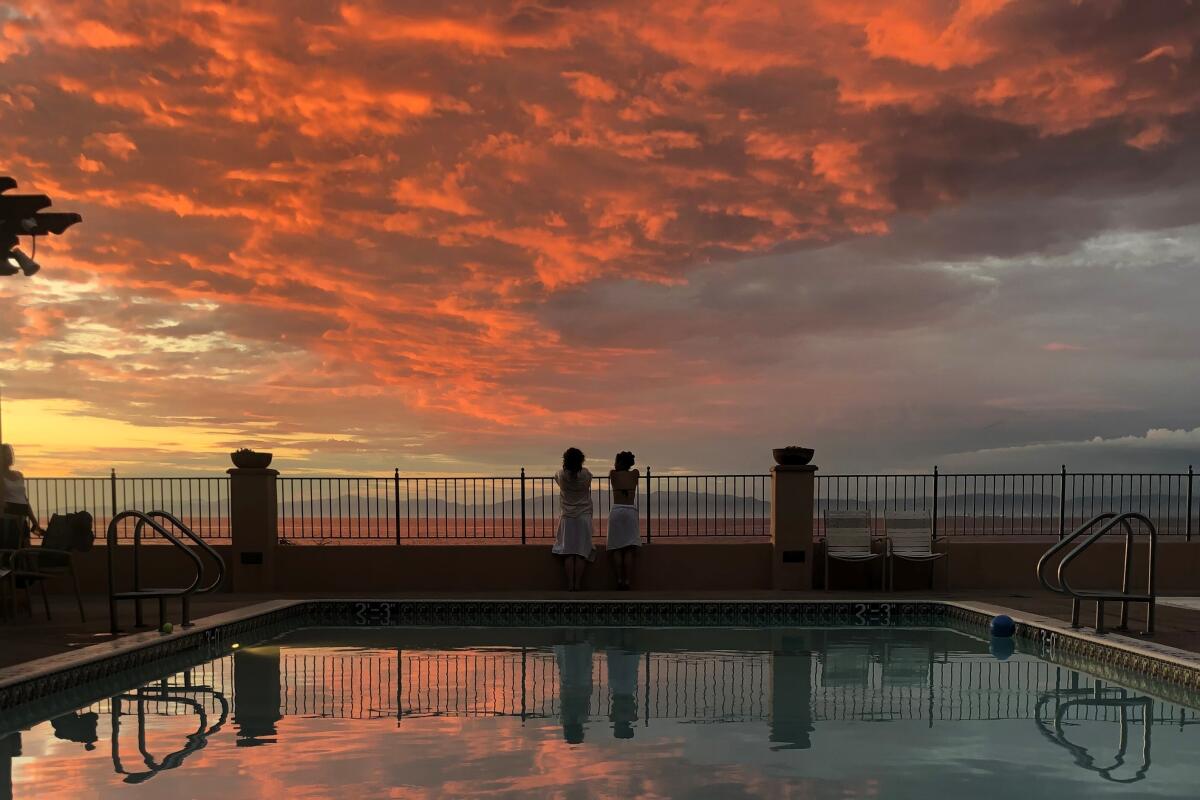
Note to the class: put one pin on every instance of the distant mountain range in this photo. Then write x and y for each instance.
(704, 504)
(664, 504)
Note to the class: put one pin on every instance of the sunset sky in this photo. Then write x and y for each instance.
(459, 237)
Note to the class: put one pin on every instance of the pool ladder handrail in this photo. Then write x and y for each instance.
(1125, 596)
(138, 594)
(164, 694)
(1095, 698)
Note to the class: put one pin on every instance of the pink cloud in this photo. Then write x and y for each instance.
(395, 196)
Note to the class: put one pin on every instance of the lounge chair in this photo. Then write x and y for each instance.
(12, 539)
(910, 538)
(65, 534)
(848, 538)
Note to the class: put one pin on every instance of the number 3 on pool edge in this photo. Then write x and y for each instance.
(865, 615)
(360, 613)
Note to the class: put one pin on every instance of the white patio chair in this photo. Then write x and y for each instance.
(910, 538)
(846, 666)
(906, 665)
(848, 538)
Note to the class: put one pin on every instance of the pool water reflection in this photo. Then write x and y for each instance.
(634, 712)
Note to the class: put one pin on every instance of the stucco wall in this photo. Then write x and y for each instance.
(974, 565)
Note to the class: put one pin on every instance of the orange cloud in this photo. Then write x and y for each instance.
(591, 87)
(396, 207)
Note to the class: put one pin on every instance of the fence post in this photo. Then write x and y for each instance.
(1187, 528)
(112, 485)
(110, 546)
(396, 501)
(523, 673)
(935, 499)
(1062, 503)
(522, 505)
(647, 505)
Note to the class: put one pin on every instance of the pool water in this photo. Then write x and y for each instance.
(614, 712)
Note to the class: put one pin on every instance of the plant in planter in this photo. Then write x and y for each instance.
(245, 458)
(793, 456)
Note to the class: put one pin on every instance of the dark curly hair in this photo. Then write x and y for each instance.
(624, 460)
(573, 461)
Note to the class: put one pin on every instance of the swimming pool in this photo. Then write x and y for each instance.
(621, 711)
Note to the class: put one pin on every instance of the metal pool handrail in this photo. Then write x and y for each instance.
(1094, 697)
(168, 694)
(208, 549)
(1062, 545)
(138, 594)
(1125, 597)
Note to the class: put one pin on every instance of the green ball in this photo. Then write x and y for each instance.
(167, 627)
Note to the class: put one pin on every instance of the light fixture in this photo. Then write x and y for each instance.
(24, 215)
(24, 262)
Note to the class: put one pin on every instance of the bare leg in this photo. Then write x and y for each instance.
(614, 559)
(568, 570)
(628, 556)
(580, 566)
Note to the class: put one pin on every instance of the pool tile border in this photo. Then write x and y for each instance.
(95, 670)
(44, 677)
(1144, 665)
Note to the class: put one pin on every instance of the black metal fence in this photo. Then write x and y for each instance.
(1014, 504)
(525, 508)
(201, 503)
(696, 686)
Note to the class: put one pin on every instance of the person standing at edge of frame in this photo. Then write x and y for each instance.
(16, 496)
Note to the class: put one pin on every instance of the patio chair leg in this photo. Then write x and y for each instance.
(45, 600)
(78, 597)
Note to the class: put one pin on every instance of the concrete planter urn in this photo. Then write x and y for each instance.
(249, 459)
(792, 456)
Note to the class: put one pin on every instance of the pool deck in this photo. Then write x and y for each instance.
(23, 639)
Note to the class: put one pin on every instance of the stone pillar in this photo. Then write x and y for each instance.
(256, 684)
(253, 522)
(791, 721)
(792, 526)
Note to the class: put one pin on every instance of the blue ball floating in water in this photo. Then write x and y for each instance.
(1001, 649)
(1003, 627)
